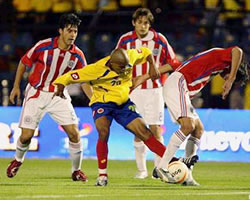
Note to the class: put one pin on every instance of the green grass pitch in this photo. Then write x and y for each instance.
(50, 179)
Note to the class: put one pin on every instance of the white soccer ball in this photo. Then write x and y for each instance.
(179, 171)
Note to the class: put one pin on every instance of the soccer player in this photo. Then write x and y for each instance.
(111, 78)
(183, 84)
(49, 59)
(148, 98)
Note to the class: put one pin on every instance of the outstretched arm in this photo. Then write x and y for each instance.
(140, 79)
(236, 60)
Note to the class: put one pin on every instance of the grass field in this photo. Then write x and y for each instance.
(50, 179)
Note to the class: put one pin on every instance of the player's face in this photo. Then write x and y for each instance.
(69, 34)
(142, 26)
(119, 69)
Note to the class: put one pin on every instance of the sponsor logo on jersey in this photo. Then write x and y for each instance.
(100, 110)
(71, 63)
(75, 76)
(155, 52)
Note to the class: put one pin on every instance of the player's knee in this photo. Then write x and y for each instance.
(188, 126)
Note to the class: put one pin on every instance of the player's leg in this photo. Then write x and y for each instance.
(22, 147)
(75, 151)
(191, 148)
(62, 111)
(138, 97)
(30, 117)
(103, 129)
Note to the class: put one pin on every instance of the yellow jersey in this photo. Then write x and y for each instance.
(108, 86)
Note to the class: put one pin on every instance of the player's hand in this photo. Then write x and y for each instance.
(59, 91)
(15, 92)
(138, 81)
(154, 73)
(227, 87)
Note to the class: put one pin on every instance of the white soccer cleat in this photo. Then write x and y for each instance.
(102, 181)
(190, 180)
(141, 174)
(165, 176)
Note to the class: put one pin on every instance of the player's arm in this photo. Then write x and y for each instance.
(140, 79)
(87, 89)
(15, 92)
(236, 60)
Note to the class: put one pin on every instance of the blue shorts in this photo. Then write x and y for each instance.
(123, 114)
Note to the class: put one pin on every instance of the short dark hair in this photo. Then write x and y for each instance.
(69, 19)
(143, 12)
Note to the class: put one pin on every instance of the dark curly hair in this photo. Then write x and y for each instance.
(243, 75)
(69, 19)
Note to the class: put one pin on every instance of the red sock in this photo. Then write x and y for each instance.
(155, 146)
(102, 154)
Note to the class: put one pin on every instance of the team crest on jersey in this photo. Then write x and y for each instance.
(28, 119)
(75, 76)
(100, 110)
(71, 63)
(155, 52)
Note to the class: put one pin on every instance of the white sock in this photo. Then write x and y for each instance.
(192, 146)
(174, 143)
(157, 158)
(75, 151)
(21, 150)
(140, 155)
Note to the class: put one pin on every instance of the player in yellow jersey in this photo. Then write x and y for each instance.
(111, 79)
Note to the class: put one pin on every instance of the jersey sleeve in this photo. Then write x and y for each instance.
(81, 60)
(120, 43)
(169, 54)
(31, 55)
(138, 56)
(226, 54)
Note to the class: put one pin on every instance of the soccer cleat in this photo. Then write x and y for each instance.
(141, 175)
(154, 174)
(79, 176)
(13, 168)
(190, 180)
(190, 161)
(165, 176)
(102, 181)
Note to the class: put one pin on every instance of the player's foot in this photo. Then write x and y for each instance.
(165, 176)
(154, 174)
(13, 168)
(141, 174)
(79, 176)
(190, 161)
(102, 181)
(190, 180)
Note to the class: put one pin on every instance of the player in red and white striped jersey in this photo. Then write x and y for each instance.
(148, 97)
(49, 59)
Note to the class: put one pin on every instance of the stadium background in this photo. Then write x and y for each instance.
(190, 27)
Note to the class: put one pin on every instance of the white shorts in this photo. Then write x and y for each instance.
(176, 97)
(37, 103)
(150, 104)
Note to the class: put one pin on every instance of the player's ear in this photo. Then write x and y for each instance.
(133, 22)
(60, 31)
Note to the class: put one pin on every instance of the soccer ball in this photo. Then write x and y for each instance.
(179, 171)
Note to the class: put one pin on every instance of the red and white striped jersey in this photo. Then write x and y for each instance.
(48, 62)
(200, 69)
(162, 51)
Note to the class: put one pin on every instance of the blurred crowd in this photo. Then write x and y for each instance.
(190, 26)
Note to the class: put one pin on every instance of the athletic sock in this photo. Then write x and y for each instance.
(102, 157)
(75, 151)
(21, 150)
(155, 146)
(192, 146)
(140, 156)
(174, 143)
(157, 158)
